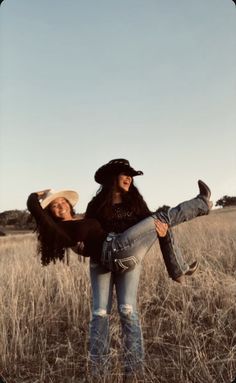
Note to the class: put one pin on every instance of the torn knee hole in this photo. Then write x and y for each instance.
(126, 309)
(100, 312)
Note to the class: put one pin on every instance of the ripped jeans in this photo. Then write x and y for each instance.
(124, 252)
(126, 286)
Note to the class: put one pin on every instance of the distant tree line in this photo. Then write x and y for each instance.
(17, 219)
(226, 201)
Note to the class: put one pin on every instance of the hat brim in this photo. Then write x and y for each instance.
(109, 170)
(70, 195)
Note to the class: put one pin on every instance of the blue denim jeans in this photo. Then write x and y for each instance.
(126, 286)
(122, 252)
(172, 255)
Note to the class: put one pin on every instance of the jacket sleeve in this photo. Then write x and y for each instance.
(35, 208)
(46, 222)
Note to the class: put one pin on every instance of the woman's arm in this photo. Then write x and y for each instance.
(34, 206)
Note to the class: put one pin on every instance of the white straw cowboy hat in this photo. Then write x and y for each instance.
(70, 195)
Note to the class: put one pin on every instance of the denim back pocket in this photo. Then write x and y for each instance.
(125, 264)
(110, 259)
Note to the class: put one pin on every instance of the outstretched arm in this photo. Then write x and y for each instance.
(35, 208)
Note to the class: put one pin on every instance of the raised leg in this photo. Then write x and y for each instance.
(185, 211)
(174, 261)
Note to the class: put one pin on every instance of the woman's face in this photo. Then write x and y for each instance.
(61, 208)
(123, 182)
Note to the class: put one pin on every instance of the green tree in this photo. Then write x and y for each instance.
(226, 201)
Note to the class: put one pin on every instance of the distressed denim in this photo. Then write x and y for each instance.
(126, 286)
(172, 255)
(129, 248)
(124, 251)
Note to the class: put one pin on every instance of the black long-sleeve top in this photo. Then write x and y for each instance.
(87, 230)
(122, 217)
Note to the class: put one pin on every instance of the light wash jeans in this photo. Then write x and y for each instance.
(126, 286)
(122, 255)
(122, 252)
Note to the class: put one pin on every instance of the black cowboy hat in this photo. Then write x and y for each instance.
(115, 167)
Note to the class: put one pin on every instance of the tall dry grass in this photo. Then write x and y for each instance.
(189, 330)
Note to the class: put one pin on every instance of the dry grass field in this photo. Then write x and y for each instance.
(189, 330)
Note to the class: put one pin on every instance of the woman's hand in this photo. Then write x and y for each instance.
(79, 248)
(161, 228)
(43, 193)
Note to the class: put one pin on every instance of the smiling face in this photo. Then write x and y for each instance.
(123, 182)
(61, 209)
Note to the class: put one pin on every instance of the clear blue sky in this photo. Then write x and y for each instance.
(82, 82)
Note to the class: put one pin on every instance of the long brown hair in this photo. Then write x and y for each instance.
(100, 206)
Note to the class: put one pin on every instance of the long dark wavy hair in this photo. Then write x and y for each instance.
(53, 241)
(100, 206)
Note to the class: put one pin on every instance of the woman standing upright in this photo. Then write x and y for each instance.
(118, 205)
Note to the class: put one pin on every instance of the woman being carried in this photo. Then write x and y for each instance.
(60, 228)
